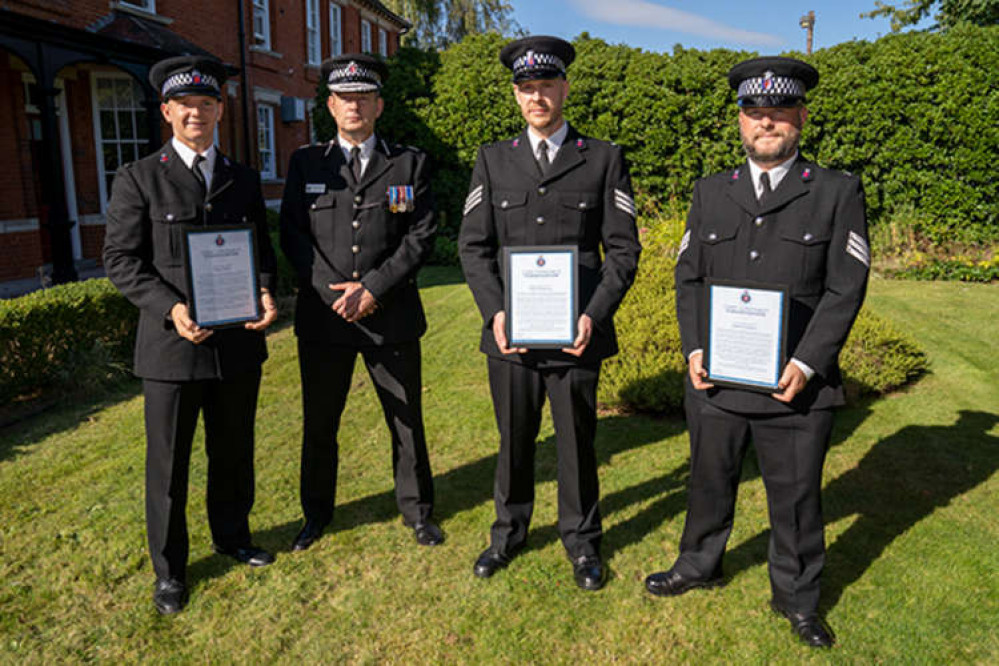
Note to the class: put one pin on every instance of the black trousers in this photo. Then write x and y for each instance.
(171, 410)
(518, 393)
(791, 450)
(326, 376)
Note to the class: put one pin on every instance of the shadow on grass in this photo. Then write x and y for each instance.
(902, 479)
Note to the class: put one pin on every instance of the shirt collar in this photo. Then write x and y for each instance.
(554, 141)
(367, 146)
(777, 173)
(188, 155)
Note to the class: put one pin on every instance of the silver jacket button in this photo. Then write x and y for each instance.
(355, 275)
(808, 237)
(754, 255)
(208, 208)
(504, 203)
(542, 191)
(358, 199)
(582, 205)
(759, 221)
(712, 236)
(356, 224)
(355, 248)
(169, 217)
(541, 219)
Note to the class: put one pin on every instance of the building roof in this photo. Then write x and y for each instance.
(379, 8)
(127, 27)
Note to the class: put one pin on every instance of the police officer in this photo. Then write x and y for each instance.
(357, 222)
(776, 219)
(187, 369)
(549, 186)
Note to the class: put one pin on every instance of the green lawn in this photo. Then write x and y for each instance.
(911, 501)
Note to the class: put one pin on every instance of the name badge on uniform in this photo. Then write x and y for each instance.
(315, 188)
(401, 199)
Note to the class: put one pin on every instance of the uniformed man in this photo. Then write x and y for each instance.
(782, 220)
(187, 369)
(549, 186)
(357, 222)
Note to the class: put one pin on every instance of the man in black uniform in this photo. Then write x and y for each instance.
(782, 220)
(549, 186)
(357, 222)
(186, 368)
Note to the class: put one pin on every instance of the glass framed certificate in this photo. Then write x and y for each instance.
(747, 334)
(541, 291)
(222, 275)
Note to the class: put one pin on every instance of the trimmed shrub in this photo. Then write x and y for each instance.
(648, 373)
(69, 334)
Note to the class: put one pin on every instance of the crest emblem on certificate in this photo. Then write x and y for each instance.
(745, 298)
(401, 199)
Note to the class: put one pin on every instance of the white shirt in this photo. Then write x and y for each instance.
(367, 147)
(555, 141)
(207, 167)
(777, 174)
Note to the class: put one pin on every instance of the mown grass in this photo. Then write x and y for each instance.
(911, 501)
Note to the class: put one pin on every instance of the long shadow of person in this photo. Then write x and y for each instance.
(898, 483)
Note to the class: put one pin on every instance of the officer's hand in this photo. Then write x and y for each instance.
(695, 367)
(270, 313)
(792, 380)
(355, 303)
(582, 338)
(499, 332)
(186, 327)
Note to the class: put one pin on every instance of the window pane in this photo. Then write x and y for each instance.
(141, 125)
(110, 156)
(122, 93)
(105, 93)
(108, 129)
(125, 125)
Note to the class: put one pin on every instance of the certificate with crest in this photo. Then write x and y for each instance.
(746, 334)
(222, 275)
(541, 285)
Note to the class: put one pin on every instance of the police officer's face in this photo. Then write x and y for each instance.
(193, 119)
(770, 134)
(355, 113)
(541, 102)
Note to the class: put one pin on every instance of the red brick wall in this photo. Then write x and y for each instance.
(92, 242)
(20, 255)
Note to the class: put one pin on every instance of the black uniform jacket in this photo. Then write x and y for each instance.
(152, 200)
(335, 230)
(585, 200)
(810, 235)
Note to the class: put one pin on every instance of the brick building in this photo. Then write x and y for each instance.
(75, 103)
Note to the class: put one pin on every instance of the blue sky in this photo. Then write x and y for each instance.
(656, 25)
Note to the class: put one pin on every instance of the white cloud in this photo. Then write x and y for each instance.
(644, 14)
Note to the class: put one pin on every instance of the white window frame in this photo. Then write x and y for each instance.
(265, 141)
(141, 5)
(262, 10)
(95, 112)
(336, 29)
(383, 42)
(313, 33)
(366, 36)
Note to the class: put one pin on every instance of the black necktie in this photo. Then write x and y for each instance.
(765, 183)
(355, 163)
(543, 162)
(199, 174)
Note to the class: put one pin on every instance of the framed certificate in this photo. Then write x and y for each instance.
(747, 334)
(541, 291)
(222, 275)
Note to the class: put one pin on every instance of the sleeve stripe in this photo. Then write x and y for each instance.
(474, 199)
(857, 248)
(624, 202)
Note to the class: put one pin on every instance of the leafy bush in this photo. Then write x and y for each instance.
(56, 336)
(648, 373)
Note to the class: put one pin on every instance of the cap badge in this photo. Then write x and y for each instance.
(530, 59)
(352, 68)
(196, 77)
(768, 80)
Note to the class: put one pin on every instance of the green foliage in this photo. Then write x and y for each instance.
(648, 373)
(437, 23)
(72, 333)
(965, 269)
(950, 14)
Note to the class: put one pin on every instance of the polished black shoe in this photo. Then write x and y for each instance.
(490, 562)
(672, 583)
(589, 572)
(248, 554)
(428, 534)
(809, 627)
(169, 596)
(308, 535)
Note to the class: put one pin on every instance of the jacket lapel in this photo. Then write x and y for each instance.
(377, 165)
(792, 186)
(740, 190)
(568, 157)
(523, 157)
(177, 172)
(222, 175)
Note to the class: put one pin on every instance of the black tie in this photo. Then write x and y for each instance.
(543, 162)
(765, 183)
(199, 174)
(355, 163)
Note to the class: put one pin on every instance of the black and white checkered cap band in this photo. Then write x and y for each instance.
(353, 77)
(532, 62)
(770, 84)
(187, 79)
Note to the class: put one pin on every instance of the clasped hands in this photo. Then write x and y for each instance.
(792, 380)
(355, 303)
(585, 332)
(189, 329)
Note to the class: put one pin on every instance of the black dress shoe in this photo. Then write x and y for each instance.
(308, 535)
(248, 554)
(169, 596)
(589, 572)
(490, 562)
(672, 583)
(809, 627)
(428, 534)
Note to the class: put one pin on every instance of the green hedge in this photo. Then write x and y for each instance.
(70, 335)
(914, 114)
(648, 373)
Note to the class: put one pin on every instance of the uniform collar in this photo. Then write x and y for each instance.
(555, 141)
(777, 173)
(367, 147)
(188, 155)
